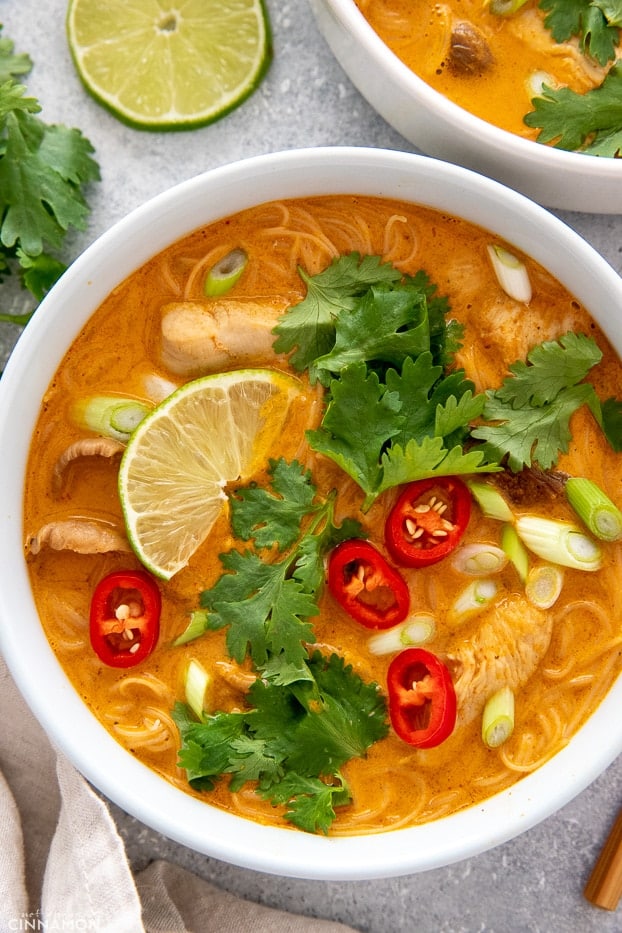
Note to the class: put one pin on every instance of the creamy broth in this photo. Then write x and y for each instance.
(119, 351)
(513, 49)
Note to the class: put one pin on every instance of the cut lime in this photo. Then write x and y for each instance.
(163, 65)
(208, 433)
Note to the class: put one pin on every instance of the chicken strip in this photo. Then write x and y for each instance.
(506, 650)
(199, 338)
(80, 535)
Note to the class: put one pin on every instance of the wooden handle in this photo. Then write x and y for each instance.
(604, 887)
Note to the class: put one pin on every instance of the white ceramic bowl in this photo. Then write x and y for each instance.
(437, 126)
(54, 701)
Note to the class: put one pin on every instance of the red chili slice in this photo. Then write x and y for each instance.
(124, 621)
(366, 586)
(422, 699)
(428, 521)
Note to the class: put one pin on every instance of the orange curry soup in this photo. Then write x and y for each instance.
(571, 652)
(485, 63)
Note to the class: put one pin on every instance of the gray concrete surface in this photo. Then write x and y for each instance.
(532, 884)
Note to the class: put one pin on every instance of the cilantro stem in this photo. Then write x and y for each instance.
(19, 319)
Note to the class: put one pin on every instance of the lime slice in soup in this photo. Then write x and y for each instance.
(212, 431)
(164, 65)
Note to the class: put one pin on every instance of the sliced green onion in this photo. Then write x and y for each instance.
(417, 630)
(536, 82)
(596, 510)
(511, 273)
(506, 7)
(110, 415)
(543, 585)
(223, 276)
(478, 560)
(196, 627)
(559, 542)
(473, 599)
(490, 501)
(498, 718)
(196, 683)
(157, 388)
(515, 550)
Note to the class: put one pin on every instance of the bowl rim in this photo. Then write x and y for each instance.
(112, 770)
(473, 126)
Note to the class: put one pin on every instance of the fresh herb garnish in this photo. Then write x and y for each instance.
(43, 170)
(293, 740)
(589, 122)
(266, 605)
(531, 410)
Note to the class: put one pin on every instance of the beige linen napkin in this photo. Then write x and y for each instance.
(63, 864)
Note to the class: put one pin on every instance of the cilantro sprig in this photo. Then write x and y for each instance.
(530, 413)
(307, 715)
(396, 411)
(44, 170)
(589, 122)
(292, 741)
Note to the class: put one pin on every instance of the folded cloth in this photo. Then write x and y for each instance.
(63, 864)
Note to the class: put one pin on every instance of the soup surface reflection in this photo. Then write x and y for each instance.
(559, 661)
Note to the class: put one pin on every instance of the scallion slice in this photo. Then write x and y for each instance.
(506, 7)
(490, 501)
(559, 542)
(195, 628)
(543, 585)
(417, 630)
(223, 276)
(595, 509)
(511, 273)
(498, 718)
(196, 683)
(515, 550)
(110, 415)
(473, 599)
(478, 560)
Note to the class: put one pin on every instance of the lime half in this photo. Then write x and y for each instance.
(211, 432)
(162, 65)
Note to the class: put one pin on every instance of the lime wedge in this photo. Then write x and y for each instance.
(211, 432)
(163, 65)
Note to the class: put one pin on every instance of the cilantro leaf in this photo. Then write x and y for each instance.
(44, 170)
(430, 457)
(401, 440)
(533, 406)
(571, 119)
(266, 605)
(274, 517)
(309, 327)
(593, 23)
(386, 325)
(310, 802)
(265, 610)
(550, 367)
(291, 741)
(611, 411)
(12, 65)
(358, 398)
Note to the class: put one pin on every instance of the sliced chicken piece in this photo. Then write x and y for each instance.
(85, 447)
(469, 53)
(199, 338)
(505, 651)
(84, 536)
